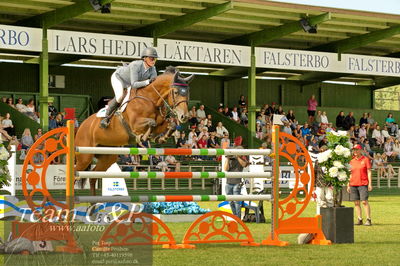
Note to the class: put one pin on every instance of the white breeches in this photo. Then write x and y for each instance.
(118, 88)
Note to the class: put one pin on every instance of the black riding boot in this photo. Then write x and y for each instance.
(112, 106)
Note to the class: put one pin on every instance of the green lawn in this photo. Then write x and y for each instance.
(375, 245)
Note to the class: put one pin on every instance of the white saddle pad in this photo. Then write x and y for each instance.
(102, 112)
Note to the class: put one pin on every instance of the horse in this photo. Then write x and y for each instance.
(145, 116)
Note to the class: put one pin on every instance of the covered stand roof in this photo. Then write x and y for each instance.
(239, 22)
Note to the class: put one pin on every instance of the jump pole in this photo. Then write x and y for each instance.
(70, 177)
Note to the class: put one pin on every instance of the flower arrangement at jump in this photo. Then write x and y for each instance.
(173, 208)
(4, 173)
(334, 163)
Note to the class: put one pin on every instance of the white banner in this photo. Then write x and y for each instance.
(20, 38)
(120, 46)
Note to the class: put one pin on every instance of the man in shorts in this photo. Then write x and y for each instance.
(360, 183)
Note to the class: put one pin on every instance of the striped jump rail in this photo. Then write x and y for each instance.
(199, 175)
(170, 198)
(159, 151)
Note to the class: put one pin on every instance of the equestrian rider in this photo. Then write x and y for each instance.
(137, 74)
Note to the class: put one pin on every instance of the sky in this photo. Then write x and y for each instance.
(382, 6)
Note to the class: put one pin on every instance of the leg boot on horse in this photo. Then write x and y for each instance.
(112, 107)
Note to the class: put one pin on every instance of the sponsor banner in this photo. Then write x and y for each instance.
(55, 177)
(94, 44)
(327, 62)
(20, 38)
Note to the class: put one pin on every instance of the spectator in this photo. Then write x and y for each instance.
(362, 132)
(210, 127)
(287, 129)
(52, 110)
(371, 121)
(311, 108)
(204, 132)
(396, 148)
(388, 148)
(193, 116)
(364, 119)
(201, 114)
(292, 119)
(26, 139)
(226, 112)
(10, 102)
(389, 167)
(14, 141)
(31, 110)
(212, 141)
(208, 118)
(279, 111)
(159, 163)
(324, 118)
(273, 108)
(39, 134)
(4, 99)
(220, 108)
(385, 133)
(182, 142)
(305, 133)
(259, 133)
(200, 126)
(21, 107)
(173, 163)
(7, 125)
(202, 142)
(60, 120)
(318, 119)
(391, 124)
(193, 142)
(349, 121)
(242, 102)
(235, 115)
(192, 133)
(377, 163)
(221, 130)
(52, 122)
(340, 118)
(377, 137)
(126, 162)
(4, 133)
(225, 141)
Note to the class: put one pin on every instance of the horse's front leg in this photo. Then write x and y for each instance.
(164, 131)
(144, 123)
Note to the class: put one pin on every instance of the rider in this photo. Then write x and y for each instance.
(137, 74)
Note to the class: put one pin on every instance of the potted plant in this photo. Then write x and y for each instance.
(337, 220)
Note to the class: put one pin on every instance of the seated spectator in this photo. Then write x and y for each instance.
(60, 120)
(292, 119)
(391, 124)
(349, 121)
(204, 132)
(340, 124)
(31, 110)
(26, 139)
(201, 125)
(159, 163)
(182, 141)
(4, 133)
(201, 113)
(208, 118)
(39, 134)
(389, 167)
(226, 112)
(220, 108)
(192, 133)
(225, 141)
(368, 149)
(377, 137)
(13, 142)
(259, 133)
(371, 122)
(221, 130)
(272, 108)
(210, 127)
(279, 111)
(297, 132)
(362, 132)
(388, 148)
(314, 145)
(385, 132)
(364, 120)
(7, 125)
(324, 118)
(267, 132)
(377, 163)
(176, 135)
(192, 143)
(10, 102)
(52, 122)
(21, 107)
(213, 142)
(321, 131)
(244, 120)
(235, 115)
(52, 110)
(287, 128)
(173, 163)
(242, 102)
(318, 119)
(396, 148)
(126, 162)
(193, 116)
(202, 142)
(305, 132)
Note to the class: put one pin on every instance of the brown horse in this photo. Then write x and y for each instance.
(146, 115)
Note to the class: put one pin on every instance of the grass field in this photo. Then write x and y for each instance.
(375, 245)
